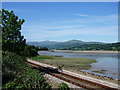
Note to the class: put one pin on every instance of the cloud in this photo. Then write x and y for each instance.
(102, 26)
(83, 15)
(92, 22)
(55, 27)
(108, 20)
(100, 31)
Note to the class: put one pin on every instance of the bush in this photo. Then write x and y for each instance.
(42, 49)
(16, 74)
(63, 86)
(30, 51)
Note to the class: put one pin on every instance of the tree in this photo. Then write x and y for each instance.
(30, 50)
(12, 40)
(42, 49)
(16, 72)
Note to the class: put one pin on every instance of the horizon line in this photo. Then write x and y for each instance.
(71, 40)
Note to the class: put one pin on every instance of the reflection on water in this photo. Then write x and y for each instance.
(106, 61)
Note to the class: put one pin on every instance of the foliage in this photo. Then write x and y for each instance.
(12, 40)
(111, 46)
(77, 45)
(41, 57)
(16, 74)
(65, 62)
(63, 86)
(42, 49)
(30, 51)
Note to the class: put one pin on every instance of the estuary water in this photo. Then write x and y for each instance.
(106, 62)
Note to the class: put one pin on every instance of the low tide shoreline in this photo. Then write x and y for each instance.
(88, 51)
(94, 75)
(87, 74)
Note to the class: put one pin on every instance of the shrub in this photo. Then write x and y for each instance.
(63, 86)
(30, 51)
(16, 74)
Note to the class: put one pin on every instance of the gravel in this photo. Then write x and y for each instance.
(54, 82)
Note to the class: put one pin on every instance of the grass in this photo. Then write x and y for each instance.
(41, 57)
(100, 71)
(66, 63)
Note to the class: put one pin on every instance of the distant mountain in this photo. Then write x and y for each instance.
(48, 44)
(67, 44)
(75, 41)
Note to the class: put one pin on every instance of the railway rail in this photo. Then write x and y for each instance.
(71, 79)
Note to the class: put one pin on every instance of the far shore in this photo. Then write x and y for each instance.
(86, 51)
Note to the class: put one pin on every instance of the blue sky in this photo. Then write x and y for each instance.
(60, 21)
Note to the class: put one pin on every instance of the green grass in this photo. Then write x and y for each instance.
(41, 57)
(100, 71)
(66, 63)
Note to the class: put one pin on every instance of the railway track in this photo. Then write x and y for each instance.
(72, 79)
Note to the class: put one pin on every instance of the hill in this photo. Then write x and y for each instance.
(58, 45)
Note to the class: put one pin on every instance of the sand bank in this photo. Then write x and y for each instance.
(88, 51)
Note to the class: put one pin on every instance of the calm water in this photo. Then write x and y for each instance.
(108, 61)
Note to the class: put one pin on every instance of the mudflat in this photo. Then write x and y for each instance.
(64, 62)
(88, 51)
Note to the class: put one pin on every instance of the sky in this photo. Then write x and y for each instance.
(63, 21)
(60, 0)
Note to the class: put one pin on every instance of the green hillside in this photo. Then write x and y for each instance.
(77, 45)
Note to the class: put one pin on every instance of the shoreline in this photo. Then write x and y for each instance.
(91, 52)
(75, 70)
(86, 51)
(86, 74)
(65, 62)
